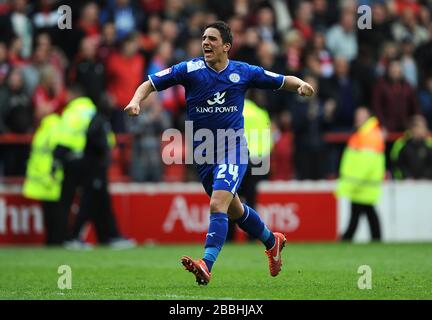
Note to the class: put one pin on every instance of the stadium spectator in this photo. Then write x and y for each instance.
(49, 95)
(308, 123)
(172, 99)
(363, 71)
(303, 19)
(341, 39)
(399, 29)
(412, 154)
(362, 172)
(265, 24)
(408, 26)
(88, 22)
(107, 42)
(14, 53)
(293, 48)
(88, 71)
(323, 16)
(123, 13)
(345, 91)
(21, 26)
(272, 101)
(423, 56)
(44, 54)
(247, 51)
(282, 164)
(146, 163)
(16, 104)
(408, 64)
(124, 72)
(389, 51)
(317, 52)
(425, 98)
(379, 34)
(393, 99)
(4, 63)
(17, 117)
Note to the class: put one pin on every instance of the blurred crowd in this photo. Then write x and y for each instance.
(114, 44)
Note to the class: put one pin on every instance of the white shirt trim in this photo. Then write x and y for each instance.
(151, 81)
(214, 69)
(283, 81)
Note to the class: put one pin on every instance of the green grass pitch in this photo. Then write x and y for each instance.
(310, 271)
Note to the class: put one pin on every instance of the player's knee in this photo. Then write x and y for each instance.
(217, 205)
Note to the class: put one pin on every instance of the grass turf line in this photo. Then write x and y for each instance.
(310, 271)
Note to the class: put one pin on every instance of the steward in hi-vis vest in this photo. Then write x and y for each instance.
(362, 166)
(42, 182)
(362, 172)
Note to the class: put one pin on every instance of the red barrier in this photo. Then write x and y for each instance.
(179, 214)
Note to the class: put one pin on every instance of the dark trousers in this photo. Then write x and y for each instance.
(53, 222)
(96, 206)
(356, 211)
(72, 180)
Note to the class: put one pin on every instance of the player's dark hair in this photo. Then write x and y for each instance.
(224, 30)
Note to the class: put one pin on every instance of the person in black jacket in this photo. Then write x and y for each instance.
(95, 202)
(412, 154)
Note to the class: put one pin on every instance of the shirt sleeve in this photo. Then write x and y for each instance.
(169, 77)
(263, 79)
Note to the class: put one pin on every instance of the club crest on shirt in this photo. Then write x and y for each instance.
(234, 77)
(163, 72)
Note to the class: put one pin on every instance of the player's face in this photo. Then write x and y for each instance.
(213, 47)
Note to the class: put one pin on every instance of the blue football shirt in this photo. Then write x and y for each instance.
(215, 100)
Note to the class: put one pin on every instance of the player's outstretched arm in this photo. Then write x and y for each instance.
(303, 88)
(141, 93)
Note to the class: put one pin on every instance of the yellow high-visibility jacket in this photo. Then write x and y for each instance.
(40, 182)
(362, 166)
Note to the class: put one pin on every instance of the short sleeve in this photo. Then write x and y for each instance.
(263, 79)
(169, 77)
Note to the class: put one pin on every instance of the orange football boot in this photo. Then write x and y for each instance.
(198, 268)
(274, 254)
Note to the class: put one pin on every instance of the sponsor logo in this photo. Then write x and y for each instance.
(20, 219)
(194, 65)
(163, 72)
(219, 98)
(193, 218)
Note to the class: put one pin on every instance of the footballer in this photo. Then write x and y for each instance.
(215, 89)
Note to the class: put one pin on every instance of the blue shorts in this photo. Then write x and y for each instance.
(221, 177)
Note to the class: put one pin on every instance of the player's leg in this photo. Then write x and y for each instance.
(215, 238)
(221, 184)
(250, 222)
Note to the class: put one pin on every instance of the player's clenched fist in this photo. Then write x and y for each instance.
(305, 89)
(132, 109)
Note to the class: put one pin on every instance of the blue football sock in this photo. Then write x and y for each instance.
(251, 223)
(215, 239)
